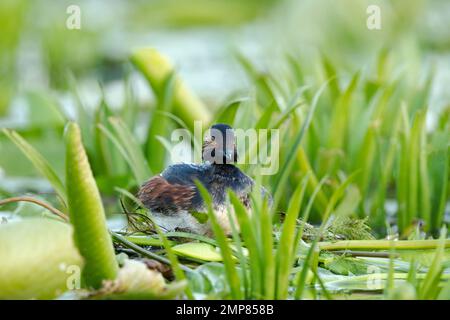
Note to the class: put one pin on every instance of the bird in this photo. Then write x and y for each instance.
(173, 199)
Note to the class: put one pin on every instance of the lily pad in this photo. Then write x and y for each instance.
(39, 259)
(198, 250)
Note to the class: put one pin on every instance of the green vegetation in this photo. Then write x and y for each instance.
(360, 198)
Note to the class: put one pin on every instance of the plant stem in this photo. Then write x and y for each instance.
(381, 244)
(38, 202)
(364, 254)
(145, 240)
(144, 252)
(380, 276)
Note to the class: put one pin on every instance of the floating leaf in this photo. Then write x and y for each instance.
(39, 259)
(198, 250)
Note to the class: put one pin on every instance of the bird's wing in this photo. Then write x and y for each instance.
(159, 195)
(186, 174)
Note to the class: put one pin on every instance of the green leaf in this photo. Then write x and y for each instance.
(44, 111)
(39, 162)
(251, 243)
(228, 260)
(228, 113)
(87, 214)
(286, 246)
(429, 288)
(156, 68)
(158, 126)
(210, 279)
(129, 148)
(295, 145)
(197, 250)
(38, 259)
(200, 216)
(346, 265)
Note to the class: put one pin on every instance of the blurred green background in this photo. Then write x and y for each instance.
(46, 69)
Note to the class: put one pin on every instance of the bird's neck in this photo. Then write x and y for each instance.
(221, 169)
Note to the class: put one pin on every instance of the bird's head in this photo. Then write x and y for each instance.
(219, 145)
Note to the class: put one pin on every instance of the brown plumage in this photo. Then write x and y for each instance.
(162, 196)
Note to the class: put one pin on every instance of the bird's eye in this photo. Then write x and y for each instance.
(213, 138)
